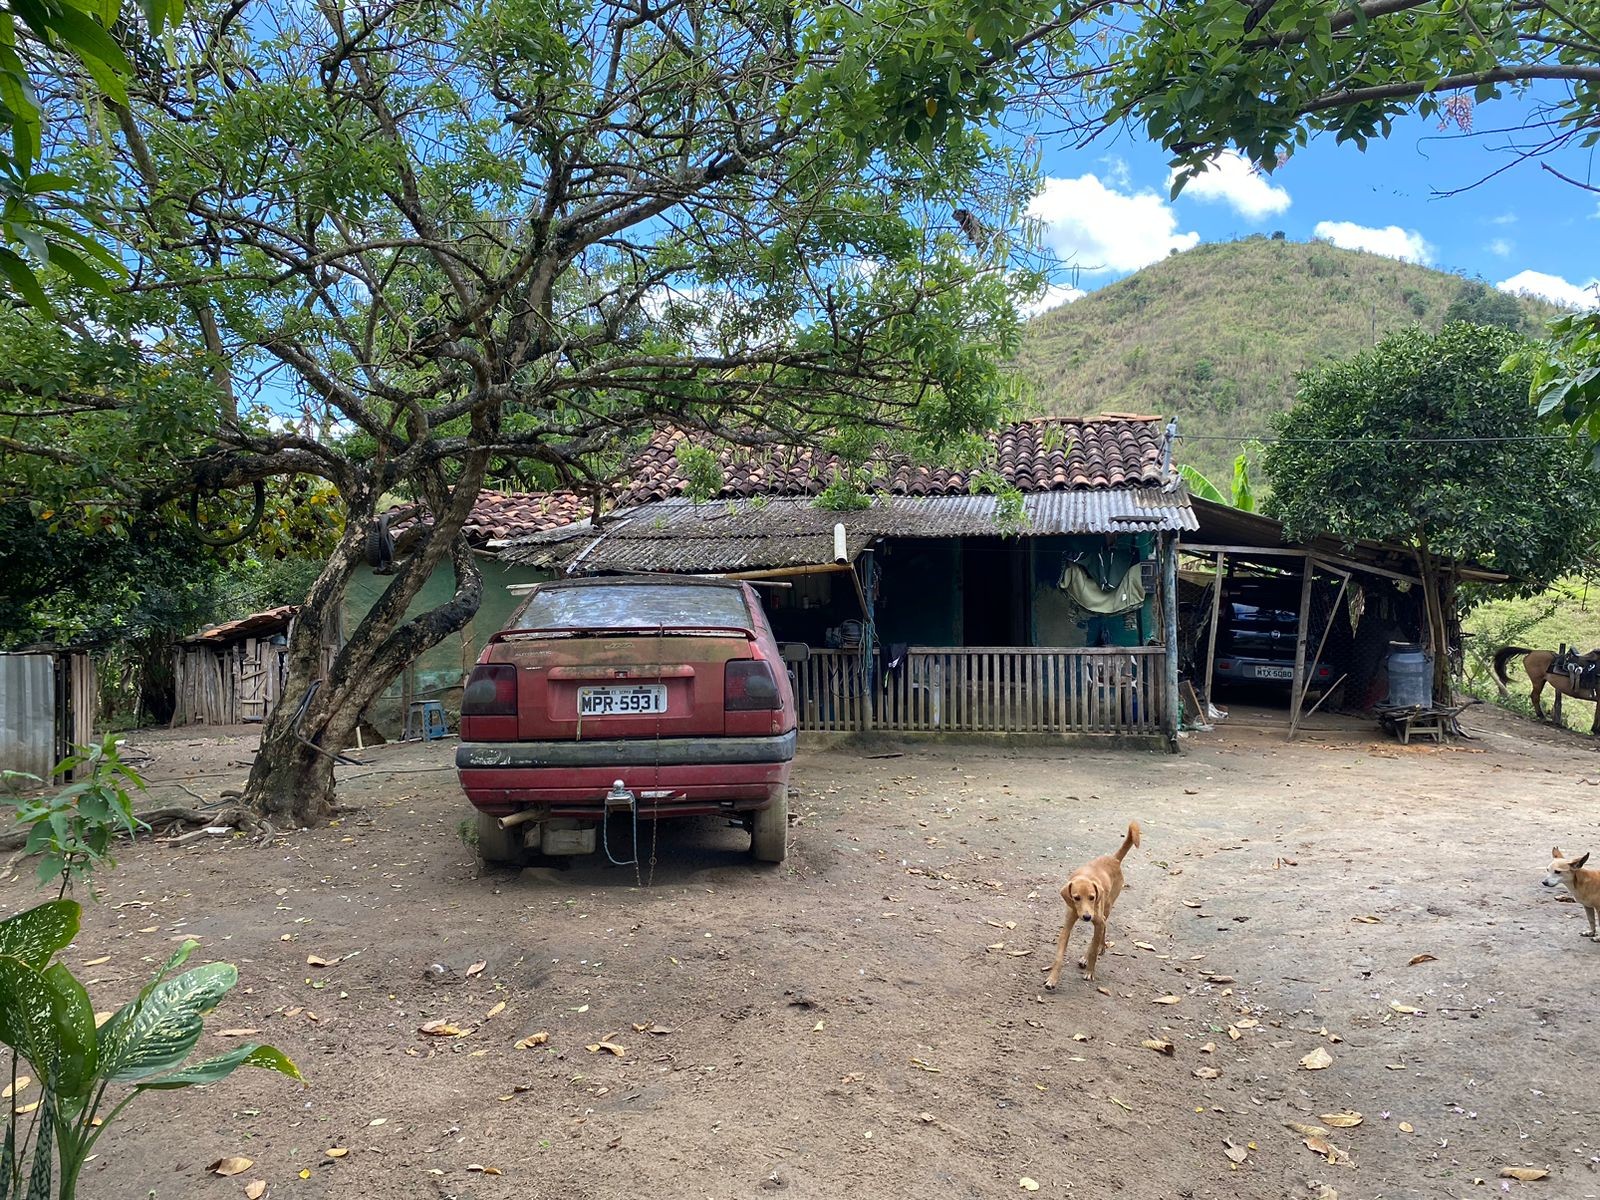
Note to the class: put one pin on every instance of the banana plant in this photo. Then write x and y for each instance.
(48, 1022)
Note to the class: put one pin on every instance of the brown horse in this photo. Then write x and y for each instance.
(1537, 664)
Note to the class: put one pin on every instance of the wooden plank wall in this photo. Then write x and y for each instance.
(988, 689)
(229, 685)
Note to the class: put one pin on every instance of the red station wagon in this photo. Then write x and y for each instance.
(651, 696)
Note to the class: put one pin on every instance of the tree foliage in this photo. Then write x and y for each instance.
(1426, 441)
(48, 220)
(1265, 77)
(1481, 304)
(481, 236)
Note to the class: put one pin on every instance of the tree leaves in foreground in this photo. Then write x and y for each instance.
(1263, 78)
(50, 1026)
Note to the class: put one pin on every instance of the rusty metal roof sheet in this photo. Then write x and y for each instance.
(751, 534)
(271, 620)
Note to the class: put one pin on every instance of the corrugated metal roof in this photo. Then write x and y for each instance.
(745, 534)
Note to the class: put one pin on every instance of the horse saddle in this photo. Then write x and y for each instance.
(1582, 669)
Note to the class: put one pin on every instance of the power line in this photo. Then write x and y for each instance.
(1373, 441)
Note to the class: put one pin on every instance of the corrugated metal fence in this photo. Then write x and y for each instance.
(987, 689)
(47, 706)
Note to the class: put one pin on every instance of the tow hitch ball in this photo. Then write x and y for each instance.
(619, 798)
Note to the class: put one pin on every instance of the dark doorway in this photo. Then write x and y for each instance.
(995, 599)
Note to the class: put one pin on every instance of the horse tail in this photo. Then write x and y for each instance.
(1503, 656)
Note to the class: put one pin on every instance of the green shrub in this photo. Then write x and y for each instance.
(48, 1021)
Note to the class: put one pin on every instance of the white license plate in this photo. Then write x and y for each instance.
(1274, 672)
(639, 699)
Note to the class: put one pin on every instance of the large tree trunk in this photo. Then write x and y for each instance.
(292, 780)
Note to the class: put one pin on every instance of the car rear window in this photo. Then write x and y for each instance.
(634, 605)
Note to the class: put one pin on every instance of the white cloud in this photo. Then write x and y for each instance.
(1099, 229)
(1232, 180)
(1505, 218)
(1391, 241)
(1552, 288)
(1501, 248)
(1055, 295)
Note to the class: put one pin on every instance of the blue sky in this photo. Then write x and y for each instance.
(1106, 207)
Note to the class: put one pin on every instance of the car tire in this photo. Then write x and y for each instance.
(769, 831)
(500, 847)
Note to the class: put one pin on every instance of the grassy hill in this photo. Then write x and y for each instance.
(1217, 335)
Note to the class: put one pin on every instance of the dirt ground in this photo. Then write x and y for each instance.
(869, 1019)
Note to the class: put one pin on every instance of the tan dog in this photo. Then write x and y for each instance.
(1583, 884)
(1089, 896)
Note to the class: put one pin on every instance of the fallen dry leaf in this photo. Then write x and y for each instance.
(12, 1089)
(1191, 904)
(1028, 1185)
(442, 1029)
(1209, 1048)
(1234, 1151)
(337, 1151)
(376, 1121)
(1526, 1174)
(496, 1010)
(659, 1030)
(1318, 1060)
(1234, 1034)
(1367, 920)
(1306, 1131)
(1343, 1120)
(1159, 1046)
(236, 1032)
(1144, 945)
(1407, 1127)
(608, 1047)
(534, 1039)
(98, 962)
(1406, 1009)
(316, 960)
(481, 1170)
(1421, 958)
(1207, 1073)
(476, 967)
(1166, 1000)
(232, 1165)
(1247, 1023)
(255, 1189)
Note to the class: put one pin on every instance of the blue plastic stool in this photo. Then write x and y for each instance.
(425, 721)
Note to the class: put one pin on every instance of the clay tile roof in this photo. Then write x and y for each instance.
(498, 515)
(1043, 455)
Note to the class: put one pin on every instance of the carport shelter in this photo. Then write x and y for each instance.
(932, 608)
(1356, 598)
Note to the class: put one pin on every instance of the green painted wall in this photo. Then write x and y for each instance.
(1059, 622)
(438, 673)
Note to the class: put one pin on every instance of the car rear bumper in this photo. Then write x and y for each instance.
(672, 777)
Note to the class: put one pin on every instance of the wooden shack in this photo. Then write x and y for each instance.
(233, 673)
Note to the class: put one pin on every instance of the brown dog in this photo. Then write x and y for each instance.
(1584, 884)
(1089, 896)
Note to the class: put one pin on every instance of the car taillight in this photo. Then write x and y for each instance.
(1224, 664)
(747, 684)
(491, 691)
